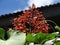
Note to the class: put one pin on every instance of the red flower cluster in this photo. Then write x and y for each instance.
(31, 20)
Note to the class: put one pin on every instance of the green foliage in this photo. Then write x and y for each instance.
(19, 38)
(2, 33)
(30, 38)
(40, 38)
(57, 42)
(57, 28)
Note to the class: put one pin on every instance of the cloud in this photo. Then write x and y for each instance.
(40, 3)
(18, 10)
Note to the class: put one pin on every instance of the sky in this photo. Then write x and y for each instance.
(13, 6)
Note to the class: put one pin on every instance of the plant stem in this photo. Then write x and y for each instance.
(52, 22)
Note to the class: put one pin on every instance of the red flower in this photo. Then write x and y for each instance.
(35, 20)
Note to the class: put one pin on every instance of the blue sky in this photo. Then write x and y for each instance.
(10, 6)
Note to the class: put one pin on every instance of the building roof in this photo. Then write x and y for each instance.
(48, 11)
(43, 8)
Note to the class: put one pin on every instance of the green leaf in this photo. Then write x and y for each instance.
(10, 33)
(29, 38)
(2, 33)
(50, 36)
(39, 37)
(15, 38)
(43, 41)
(57, 42)
(57, 28)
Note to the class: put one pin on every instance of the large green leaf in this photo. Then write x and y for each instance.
(15, 38)
(2, 33)
(39, 37)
